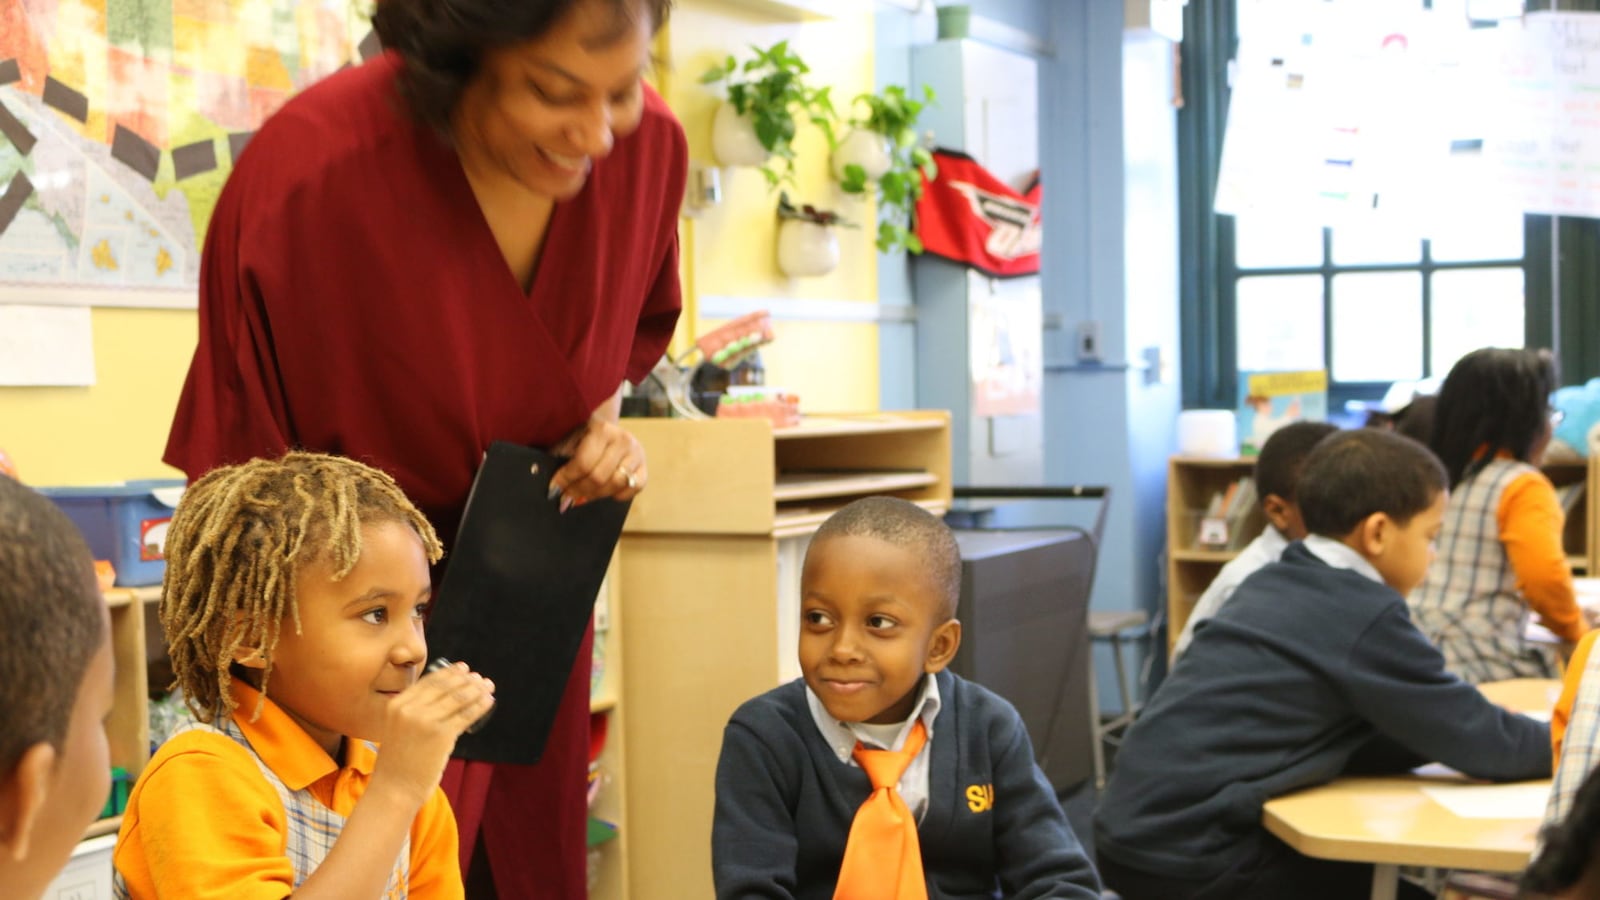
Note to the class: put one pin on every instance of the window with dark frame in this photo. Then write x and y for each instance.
(1370, 308)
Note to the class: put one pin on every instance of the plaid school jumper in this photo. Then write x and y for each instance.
(1469, 605)
(312, 827)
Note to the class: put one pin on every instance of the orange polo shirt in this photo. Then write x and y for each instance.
(1562, 714)
(1531, 522)
(202, 822)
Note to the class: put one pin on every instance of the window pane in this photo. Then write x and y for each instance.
(1377, 326)
(1262, 242)
(1458, 239)
(1280, 323)
(1366, 244)
(1474, 308)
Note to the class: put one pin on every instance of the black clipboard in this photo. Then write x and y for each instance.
(518, 591)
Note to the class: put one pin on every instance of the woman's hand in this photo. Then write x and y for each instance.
(603, 460)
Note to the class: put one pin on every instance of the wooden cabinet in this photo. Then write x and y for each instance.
(1191, 483)
(128, 727)
(709, 566)
(1577, 537)
(609, 859)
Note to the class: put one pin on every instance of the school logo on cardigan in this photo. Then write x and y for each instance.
(980, 797)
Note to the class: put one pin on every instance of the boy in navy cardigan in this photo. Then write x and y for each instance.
(1312, 670)
(878, 598)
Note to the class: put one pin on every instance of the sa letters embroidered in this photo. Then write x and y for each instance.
(980, 797)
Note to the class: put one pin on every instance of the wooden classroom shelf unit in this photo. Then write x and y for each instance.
(710, 562)
(128, 728)
(1191, 483)
(610, 805)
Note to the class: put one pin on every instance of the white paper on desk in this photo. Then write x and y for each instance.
(46, 345)
(1588, 591)
(1492, 801)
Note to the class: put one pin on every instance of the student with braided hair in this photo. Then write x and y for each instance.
(293, 608)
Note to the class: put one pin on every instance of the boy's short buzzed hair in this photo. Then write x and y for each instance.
(236, 544)
(51, 620)
(907, 525)
(1353, 474)
(1284, 455)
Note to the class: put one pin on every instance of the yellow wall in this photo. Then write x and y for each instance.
(117, 429)
(731, 250)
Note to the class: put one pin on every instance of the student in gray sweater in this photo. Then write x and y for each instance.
(1311, 671)
(878, 597)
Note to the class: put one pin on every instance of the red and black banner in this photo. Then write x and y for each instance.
(969, 216)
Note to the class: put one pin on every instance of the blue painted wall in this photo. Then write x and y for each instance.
(1109, 165)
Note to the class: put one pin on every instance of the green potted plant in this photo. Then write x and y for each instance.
(765, 94)
(882, 149)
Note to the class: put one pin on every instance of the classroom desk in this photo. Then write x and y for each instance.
(1391, 822)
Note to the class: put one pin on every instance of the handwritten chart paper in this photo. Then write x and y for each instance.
(1543, 138)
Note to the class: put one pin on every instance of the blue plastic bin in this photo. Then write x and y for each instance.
(124, 523)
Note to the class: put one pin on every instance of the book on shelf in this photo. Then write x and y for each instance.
(1222, 525)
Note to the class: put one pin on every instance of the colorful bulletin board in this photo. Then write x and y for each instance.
(119, 123)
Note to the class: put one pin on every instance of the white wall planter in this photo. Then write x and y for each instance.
(867, 149)
(733, 139)
(806, 249)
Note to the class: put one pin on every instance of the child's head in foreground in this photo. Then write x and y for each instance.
(1278, 468)
(1379, 493)
(306, 576)
(1494, 399)
(878, 597)
(55, 690)
(1567, 866)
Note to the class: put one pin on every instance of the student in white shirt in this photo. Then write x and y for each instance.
(1277, 469)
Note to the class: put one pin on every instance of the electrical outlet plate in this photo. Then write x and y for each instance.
(1089, 341)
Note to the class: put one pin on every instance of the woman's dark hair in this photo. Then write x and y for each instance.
(1494, 399)
(443, 42)
(1567, 846)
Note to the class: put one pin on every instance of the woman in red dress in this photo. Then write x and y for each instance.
(471, 237)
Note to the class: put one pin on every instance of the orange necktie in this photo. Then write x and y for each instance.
(883, 859)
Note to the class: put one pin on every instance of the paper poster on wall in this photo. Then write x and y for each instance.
(1006, 347)
(44, 346)
(118, 127)
(1333, 115)
(1543, 113)
(1270, 400)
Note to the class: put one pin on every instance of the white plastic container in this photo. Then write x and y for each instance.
(1212, 433)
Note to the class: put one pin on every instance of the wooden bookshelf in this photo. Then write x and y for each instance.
(1191, 483)
(605, 698)
(710, 562)
(128, 727)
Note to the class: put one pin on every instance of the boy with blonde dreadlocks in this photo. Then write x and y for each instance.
(293, 607)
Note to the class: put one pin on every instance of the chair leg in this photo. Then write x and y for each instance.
(1122, 675)
(1094, 726)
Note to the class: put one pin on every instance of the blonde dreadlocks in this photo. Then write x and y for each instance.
(236, 543)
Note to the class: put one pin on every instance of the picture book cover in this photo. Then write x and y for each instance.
(1270, 400)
